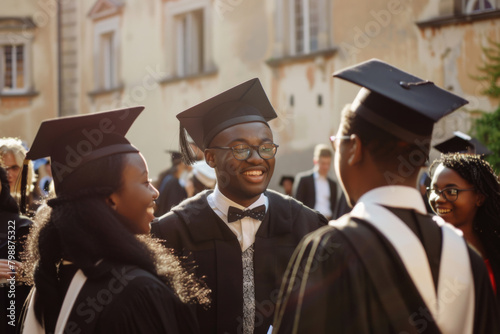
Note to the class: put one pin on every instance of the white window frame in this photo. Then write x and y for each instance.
(469, 6)
(284, 33)
(107, 56)
(306, 23)
(177, 12)
(25, 39)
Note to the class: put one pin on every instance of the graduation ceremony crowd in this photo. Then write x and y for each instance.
(396, 244)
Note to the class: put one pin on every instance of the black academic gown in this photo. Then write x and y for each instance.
(171, 194)
(194, 230)
(13, 228)
(126, 299)
(340, 296)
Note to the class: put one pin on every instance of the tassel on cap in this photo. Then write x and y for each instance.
(187, 153)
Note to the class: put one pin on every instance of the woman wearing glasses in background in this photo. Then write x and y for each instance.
(465, 192)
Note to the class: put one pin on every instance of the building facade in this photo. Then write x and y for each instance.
(168, 55)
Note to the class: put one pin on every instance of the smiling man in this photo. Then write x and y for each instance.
(240, 236)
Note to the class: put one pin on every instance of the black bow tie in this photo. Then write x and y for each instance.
(235, 214)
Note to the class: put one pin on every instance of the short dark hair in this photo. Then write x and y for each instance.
(322, 151)
(391, 154)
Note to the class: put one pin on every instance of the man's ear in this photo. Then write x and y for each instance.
(210, 157)
(355, 150)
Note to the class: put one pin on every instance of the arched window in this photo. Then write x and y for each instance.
(475, 6)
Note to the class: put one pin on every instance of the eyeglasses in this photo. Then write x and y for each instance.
(243, 152)
(14, 169)
(449, 194)
(334, 138)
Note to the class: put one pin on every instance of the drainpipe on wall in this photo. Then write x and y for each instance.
(59, 59)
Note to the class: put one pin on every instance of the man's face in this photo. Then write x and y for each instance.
(323, 164)
(241, 181)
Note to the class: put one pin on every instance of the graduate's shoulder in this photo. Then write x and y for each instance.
(295, 207)
(191, 209)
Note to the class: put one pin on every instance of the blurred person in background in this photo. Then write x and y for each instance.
(314, 188)
(13, 154)
(286, 182)
(202, 177)
(172, 184)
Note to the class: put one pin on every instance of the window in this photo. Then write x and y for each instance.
(106, 54)
(15, 60)
(304, 26)
(13, 67)
(107, 62)
(188, 32)
(475, 6)
(106, 17)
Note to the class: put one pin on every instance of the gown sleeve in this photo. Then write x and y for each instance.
(147, 306)
(326, 289)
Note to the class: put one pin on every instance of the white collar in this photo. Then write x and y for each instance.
(317, 176)
(223, 203)
(395, 196)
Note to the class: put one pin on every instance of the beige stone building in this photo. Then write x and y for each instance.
(91, 55)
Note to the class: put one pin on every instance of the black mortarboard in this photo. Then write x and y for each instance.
(398, 102)
(286, 177)
(246, 102)
(462, 143)
(73, 141)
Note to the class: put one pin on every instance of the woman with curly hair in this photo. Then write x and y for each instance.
(465, 192)
(94, 266)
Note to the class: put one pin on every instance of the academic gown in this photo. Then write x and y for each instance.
(340, 297)
(126, 299)
(171, 194)
(194, 230)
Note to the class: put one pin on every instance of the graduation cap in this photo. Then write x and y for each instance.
(398, 102)
(244, 103)
(175, 156)
(462, 143)
(73, 141)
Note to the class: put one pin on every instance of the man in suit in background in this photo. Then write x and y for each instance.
(314, 188)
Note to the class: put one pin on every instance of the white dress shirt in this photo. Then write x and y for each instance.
(322, 189)
(244, 229)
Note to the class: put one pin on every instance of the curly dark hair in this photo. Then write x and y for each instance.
(477, 171)
(83, 229)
